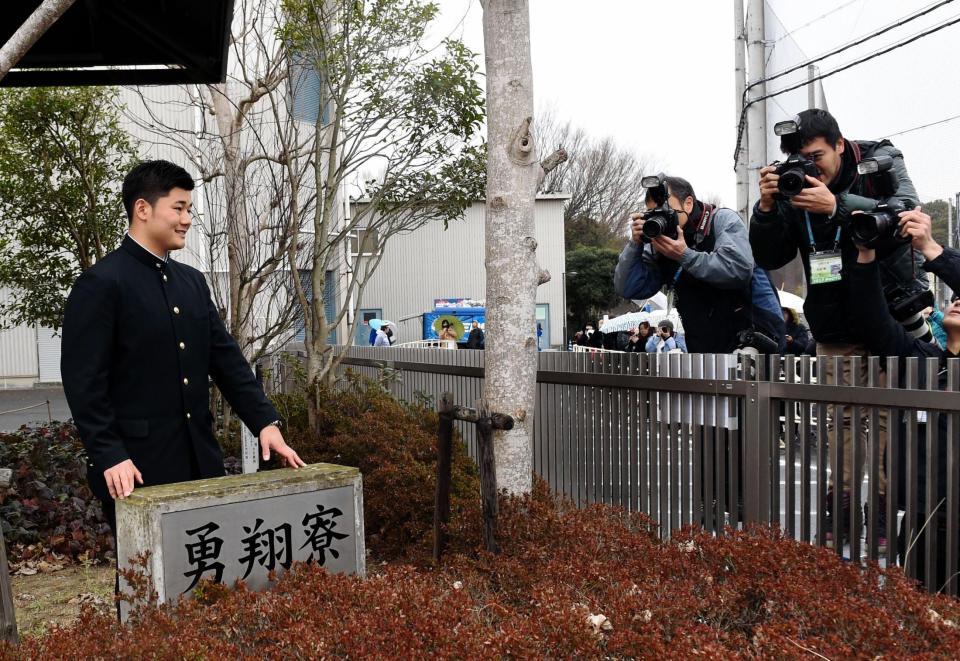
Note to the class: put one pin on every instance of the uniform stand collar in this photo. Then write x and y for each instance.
(142, 254)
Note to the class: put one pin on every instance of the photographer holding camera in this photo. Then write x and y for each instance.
(807, 205)
(885, 337)
(702, 253)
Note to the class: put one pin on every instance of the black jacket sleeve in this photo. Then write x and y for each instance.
(882, 334)
(85, 363)
(947, 268)
(772, 239)
(234, 376)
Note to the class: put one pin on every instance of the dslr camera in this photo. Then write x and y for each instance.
(755, 342)
(871, 228)
(661, 220)
(793, 172)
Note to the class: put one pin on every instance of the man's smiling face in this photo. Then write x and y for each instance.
(167, 222)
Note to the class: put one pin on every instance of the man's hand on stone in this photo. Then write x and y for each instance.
(815, 199)
(272, 439)
(671, 248)
(120, 479)
(918, 226)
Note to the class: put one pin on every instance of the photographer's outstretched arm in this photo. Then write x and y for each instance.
(636, 275)
(730, 265)
(883, 335)
(773, 243)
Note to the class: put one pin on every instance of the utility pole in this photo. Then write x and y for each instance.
(757, 112)
(740, 75)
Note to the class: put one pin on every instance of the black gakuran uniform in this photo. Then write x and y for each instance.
(141, 338)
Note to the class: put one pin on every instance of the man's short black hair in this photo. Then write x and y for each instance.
(813, 123)
(152, 180)
(678, 187)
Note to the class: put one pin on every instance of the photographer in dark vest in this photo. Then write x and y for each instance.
(701, 255)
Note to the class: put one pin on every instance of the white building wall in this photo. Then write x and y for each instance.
(430, 263)
(18, 351)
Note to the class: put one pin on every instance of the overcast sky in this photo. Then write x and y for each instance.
(659, 77)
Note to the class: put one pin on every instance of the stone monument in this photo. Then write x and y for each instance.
(243, 527)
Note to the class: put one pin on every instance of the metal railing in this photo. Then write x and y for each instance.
(726, 440)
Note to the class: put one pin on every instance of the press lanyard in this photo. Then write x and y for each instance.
(813, 243)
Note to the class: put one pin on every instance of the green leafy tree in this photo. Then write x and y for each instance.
(937, 211)
(398, 128)
(63, 156)
(590, 292)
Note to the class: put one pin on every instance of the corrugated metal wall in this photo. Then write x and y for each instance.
(48, 352)
(18, 348)
(430, 263)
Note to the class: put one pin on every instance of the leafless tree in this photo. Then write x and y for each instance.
(395, 132)
(253, 158)
(602, 178)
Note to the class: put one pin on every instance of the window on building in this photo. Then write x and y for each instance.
(307, 92)
(365, 243)
(329, 304)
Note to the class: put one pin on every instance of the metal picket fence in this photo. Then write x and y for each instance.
(722, 440)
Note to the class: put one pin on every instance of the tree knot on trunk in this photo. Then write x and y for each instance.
(543, 276)
(498, 203)
(530, 243)
(521, 146)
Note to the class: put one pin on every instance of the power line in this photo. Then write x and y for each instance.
(815, 20)
(857, 42)
(923, 126)
(849, 65)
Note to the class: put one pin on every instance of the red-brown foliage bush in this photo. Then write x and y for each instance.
(49, 507)
(395, 447)
(748, 594)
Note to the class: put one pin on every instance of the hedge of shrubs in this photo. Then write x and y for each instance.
(584, 583)
(49, 509)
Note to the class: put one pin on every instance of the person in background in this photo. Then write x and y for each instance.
(798, 337)
(373, 333)
(382, 339)
(475, 339)
(664, 340)
(637, 342)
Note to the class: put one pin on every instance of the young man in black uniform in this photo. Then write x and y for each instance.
(141, 338)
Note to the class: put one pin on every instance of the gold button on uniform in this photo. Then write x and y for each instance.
(186, 382)
(188, 416)
(183, 346)
(176, 310)
(164, 278)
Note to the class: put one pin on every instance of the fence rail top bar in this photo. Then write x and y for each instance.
(898, 398)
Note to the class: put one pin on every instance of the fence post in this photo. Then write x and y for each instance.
(8, 617)
(757, 482)
(441, 508)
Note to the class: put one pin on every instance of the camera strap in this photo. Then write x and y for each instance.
(813, 243)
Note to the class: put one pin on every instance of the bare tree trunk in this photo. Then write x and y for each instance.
(513, 175)
(32, 29)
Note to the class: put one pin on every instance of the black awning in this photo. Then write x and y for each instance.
(124, 42)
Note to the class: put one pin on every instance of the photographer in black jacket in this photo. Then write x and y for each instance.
(810, 215)
(885, 337)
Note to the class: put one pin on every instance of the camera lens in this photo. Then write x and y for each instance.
(868, 228)
(791, 182)
(654, 226)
